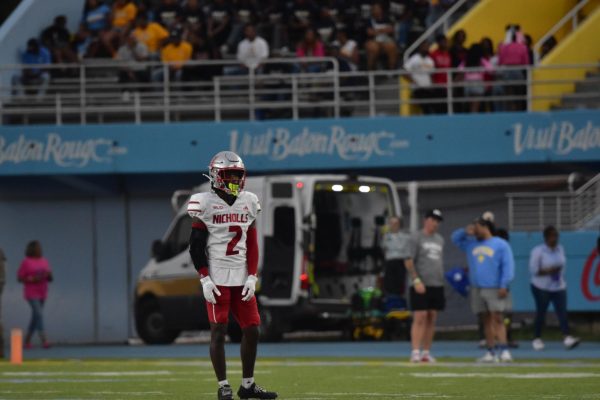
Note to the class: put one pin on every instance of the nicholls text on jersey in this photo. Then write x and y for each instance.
(229, 218)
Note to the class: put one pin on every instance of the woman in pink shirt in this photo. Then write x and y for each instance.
(311, 46)
(35, 273)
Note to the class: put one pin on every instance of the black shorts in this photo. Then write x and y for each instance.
(433, 299)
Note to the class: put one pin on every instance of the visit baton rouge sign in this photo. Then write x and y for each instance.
(590, 279)
(560, 137)
(58, 151)
(279, 144)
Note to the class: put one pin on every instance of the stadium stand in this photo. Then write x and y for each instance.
(94, 76)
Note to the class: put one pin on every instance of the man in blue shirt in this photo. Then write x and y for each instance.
(491, 269)
(34, 77)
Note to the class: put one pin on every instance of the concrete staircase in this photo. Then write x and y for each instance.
(586, 95)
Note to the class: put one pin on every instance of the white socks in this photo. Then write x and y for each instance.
(223, 383)
(247, 382)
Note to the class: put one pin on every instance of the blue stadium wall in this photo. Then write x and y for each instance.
(96, 196)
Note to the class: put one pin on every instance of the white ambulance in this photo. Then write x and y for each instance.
(319, 241)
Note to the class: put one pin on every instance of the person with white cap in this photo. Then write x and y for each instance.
(426, 269)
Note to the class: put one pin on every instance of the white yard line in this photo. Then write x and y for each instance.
(383, 363)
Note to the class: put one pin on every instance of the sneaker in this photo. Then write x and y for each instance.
(415, 356)
(225, 393)
(505, 356)
(28, 346)
(46, 345)
(427, 358)
(489, 357)
(538, 344)
(255, 392)
(571, 342)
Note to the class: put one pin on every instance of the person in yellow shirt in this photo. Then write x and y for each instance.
(151, 34)
(122, 15)
(176, 52)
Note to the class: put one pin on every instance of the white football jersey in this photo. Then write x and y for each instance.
(227, 230)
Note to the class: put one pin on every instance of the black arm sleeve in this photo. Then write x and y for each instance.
(198, 239)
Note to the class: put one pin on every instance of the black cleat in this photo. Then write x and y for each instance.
(255, 392)
(225, 393)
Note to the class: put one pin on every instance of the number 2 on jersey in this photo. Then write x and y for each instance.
(234, 241)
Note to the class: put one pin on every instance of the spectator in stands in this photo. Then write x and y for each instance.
(513, 52)
(529, 44)
(401, 12)
(176, 52)
(2, 282)
(346, 51)
(252, 52)
(271, 23)
(244, 13)
(380, 33)
(487, 46)
(132, 51)
(57, 39)
(96, 16)
(458, 51)
(202, 50)
(95, 20)
(151, 34)
(547, 265)
(300, 15)
(442, 60)
(220, 19)
(192, 18)
(420, 65)
(325, 26)
(167, 13)
(547, 46)
(36, 78)
(311, 46)
(474, 76)
(35, 273)
(122, 16)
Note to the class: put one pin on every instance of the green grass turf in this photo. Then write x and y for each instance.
(314, 379)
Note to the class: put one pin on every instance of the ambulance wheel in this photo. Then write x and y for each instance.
(151, 324)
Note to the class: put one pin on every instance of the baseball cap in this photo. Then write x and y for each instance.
(484, 220)
(434, 213)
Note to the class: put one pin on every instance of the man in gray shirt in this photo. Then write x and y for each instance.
(426, 270)
(2, 281)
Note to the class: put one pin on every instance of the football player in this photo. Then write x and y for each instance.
(224, 250)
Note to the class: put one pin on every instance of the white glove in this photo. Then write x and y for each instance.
(249, 288)
(209, 289)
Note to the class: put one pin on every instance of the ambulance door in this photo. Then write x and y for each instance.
(281, 259)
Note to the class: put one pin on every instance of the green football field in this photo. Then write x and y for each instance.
(302, 379)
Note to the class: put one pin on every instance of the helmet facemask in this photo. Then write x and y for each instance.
(229, 180)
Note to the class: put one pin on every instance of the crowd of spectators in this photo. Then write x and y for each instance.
(361, 34)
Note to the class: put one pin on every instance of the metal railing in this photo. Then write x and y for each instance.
(282, 88)
(564, 210)
(572, 16)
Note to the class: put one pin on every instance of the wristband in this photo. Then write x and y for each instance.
(416, 281)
